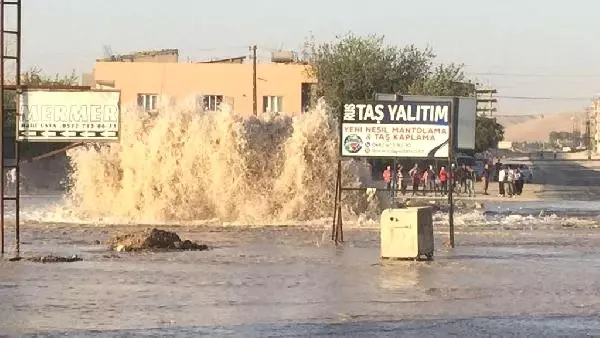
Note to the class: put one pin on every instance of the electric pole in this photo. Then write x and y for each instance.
(486, 97)
(254, 99)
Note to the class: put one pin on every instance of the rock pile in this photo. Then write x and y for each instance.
(153, 240)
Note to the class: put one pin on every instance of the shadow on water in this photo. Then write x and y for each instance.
(547, 326)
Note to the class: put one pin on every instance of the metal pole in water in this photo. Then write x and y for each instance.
(339, 234)
(451, 180)
(335, 206)
(2, 83)
(17, 144)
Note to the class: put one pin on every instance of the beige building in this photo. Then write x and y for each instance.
(283, 86)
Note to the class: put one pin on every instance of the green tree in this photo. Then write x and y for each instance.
(488, 132)
(354, 68)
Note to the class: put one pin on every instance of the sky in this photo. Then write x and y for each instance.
(541, 56)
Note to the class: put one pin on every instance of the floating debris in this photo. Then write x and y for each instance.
(47, 259)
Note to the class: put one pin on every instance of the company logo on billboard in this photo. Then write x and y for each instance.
(349, 111)
(353, 143)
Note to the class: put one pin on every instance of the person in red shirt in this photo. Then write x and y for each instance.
(444, 180)
(387, 177)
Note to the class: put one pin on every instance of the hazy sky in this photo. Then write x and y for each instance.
(524, 48)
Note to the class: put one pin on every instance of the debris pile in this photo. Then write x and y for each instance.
(153, 240)
(47, 259)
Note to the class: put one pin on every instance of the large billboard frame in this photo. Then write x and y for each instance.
(452, 123)
(459, 143)
(81, 139)
(337, 234)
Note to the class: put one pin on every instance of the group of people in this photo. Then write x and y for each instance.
(510, 181)
(463, 178)
(431, 180)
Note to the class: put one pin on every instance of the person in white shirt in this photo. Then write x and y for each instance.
(501, 179)
(510, 181)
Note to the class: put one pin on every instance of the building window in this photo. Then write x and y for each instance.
(210, 102)
(272, 104)
(147, 102)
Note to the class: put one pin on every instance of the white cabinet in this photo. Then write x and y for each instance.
(407, 233)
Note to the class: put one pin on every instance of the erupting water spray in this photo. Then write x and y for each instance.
(184, 164)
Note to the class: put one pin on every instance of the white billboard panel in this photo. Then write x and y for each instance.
(68, 116)
(466, 112)
(396, 129)
(467, 115)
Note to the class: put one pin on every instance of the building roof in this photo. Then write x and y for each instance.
(140, 54)
(238, 59)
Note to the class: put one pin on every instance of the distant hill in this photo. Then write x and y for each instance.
(538, 127)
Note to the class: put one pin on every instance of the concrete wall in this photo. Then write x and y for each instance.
(184, 80)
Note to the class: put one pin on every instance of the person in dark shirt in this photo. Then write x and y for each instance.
(485, 176)
(462, 177)
(497, 168)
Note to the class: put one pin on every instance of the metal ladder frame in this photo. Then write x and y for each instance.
(5, 88)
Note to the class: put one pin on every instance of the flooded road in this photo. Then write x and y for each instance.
(293, 282)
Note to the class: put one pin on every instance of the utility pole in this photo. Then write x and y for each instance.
(486, 96)
(588, 138)
(254, 98)
(593, 117)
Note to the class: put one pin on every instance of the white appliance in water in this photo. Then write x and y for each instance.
(407, 233)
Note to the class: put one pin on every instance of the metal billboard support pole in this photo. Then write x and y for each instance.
(337, 233)
(2, 84)
(451, 142)
(17, 143)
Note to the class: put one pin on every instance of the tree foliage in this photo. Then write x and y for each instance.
(35, 77)
(353, 68)
(488, 132)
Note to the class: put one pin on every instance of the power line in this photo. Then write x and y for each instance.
(532, 74)
(556, 98)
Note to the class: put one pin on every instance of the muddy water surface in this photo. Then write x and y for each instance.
(294, 282)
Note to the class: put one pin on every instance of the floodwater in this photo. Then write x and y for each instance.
(517, 270)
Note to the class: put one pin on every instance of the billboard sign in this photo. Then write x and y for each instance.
(68, 116)
(396, 129)
(465, 108)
